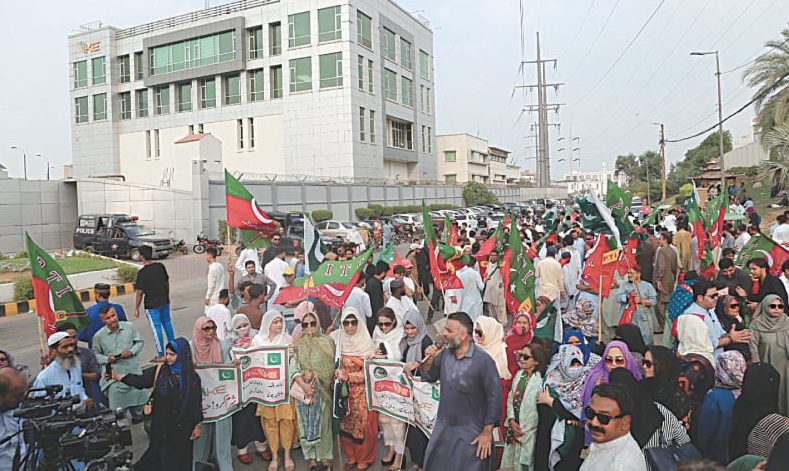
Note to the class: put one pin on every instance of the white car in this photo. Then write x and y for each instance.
(335, 228)
(470, 221)
(415, 219)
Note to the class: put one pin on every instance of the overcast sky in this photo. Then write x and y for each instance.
(611, 98)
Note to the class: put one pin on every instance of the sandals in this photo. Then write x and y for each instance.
(289, 465)
(245, 458)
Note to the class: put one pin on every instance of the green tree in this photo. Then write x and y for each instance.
(776, 170)
(695, 160)
(476, 193)
(770, 75)
(641, 169)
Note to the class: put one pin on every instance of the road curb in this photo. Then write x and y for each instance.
(85, 295)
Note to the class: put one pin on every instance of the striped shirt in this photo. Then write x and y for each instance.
(764, 435)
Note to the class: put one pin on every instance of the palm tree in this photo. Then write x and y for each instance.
(770, 74)
(776, 170)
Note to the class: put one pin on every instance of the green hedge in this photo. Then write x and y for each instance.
(440, 206)
(127, 273)
(364, 213)
(23, 289)
(377, 210)
(388, 210)
(322, 215)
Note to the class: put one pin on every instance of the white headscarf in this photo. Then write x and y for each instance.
(493, 344)
(262, 338)
(239, 332)
(392, 340)
(693, 336)
(360, 344)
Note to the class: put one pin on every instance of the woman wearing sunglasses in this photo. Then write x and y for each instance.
(770, 342)
(215, 439)
(729, 311)
(313, 365)
(279, 422)
(359, 428)
(387, 336)
(661, 374)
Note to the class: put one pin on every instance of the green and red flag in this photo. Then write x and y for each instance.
(443, 275)
(489, 246)
(707, 262)
(518, 274)
(716, 210)
(332, 282)
(618, 202)
(762, 246)
(56, 300)
(598, 218)
(601, 263)
(386, 255)
(244, 213)
(696, 221)
(628, 258)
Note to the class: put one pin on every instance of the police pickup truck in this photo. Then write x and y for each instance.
(118, 235)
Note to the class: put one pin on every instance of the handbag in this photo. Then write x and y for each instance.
(297, 392)
(668, 457)
(147, 409)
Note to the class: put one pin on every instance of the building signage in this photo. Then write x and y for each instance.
(89, 46)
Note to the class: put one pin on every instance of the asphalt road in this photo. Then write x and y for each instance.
(19, 335)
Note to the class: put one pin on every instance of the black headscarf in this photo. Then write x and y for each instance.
(759, 398)
(646, 418)
(779, 457)
(631, 335)
(184, 369)
(663, 387)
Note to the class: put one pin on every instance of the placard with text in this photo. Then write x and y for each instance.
(265, 375)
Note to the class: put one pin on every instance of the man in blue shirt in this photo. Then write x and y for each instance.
(65, 370)
(102, 291)
(13, 386)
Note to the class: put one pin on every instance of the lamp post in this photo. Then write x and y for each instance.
(720, 111)
(24, 158)
(48, 164)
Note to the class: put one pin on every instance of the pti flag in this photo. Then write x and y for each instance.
(56, 300)
(243, 211)
(443, 274)
(696, 221)
(601, 263)
(761, 246)
(518, 274)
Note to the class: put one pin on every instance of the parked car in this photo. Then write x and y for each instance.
(294, 239)
(636, 205)
(415, 219)
(470, 221)
(118, 235)
(334, 228)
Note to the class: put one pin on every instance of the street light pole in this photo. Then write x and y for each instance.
(24, 158)
(720, 112)
(48, 164)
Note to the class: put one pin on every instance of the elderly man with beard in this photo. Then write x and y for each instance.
(119, 344)
(65, 370)
(470, 404)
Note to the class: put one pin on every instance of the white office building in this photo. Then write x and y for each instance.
(579, 182)
(313, 88)
(466, 158)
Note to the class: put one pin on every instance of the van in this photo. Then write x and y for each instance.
(118, 235)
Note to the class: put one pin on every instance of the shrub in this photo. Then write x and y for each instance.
(364, 213)
(127, 273)
(21, 254)
(441, 206)
(377, 210)
(388, 210)
(23, 289)
(414, 208)
(322, 215)
(400, 209)
(222, 230)
(749, 171)
(475, 194)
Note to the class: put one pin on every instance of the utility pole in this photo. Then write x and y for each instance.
(720, 111)
(542, 108)
(663, 161)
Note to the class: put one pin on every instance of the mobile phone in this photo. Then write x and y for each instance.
(382, 348)
(108, 371)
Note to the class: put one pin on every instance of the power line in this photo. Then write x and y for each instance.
(578, 31)
(594, 43)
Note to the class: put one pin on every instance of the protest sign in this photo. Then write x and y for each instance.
(265, 376)
(221, 388)
(426, 397)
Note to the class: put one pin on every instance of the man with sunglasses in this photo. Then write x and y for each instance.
(271, 250)
(705, 296)
(608, 418)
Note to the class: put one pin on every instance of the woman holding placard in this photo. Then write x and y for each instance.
(387, 336)
(279, 422)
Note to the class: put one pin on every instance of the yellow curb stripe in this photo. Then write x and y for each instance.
(23, 307)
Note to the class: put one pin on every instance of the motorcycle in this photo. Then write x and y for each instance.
(203, 243)
(179, 245)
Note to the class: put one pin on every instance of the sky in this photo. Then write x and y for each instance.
(621, 70)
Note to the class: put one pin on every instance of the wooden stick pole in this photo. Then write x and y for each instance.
(600, 310)
(41, 342)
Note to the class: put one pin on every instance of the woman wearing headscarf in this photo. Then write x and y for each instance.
(770, 342)
(522, 417)
(215, 441)
(637, 299)
(565, 379)
(313, 370)
(633, 337)
(757, 423)
(489, 336)
(246, 425)
(298, 314)
(413, 347)
(713, 429)
(387, 336)
(7, 361)
(576, 338)
(279, 422)
(728, 310)
(693, 337)
(518, 336)
(176, 412)
(359, 428)
(661, 380)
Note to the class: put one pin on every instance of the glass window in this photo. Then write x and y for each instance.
(126, 106)
(156, 147)
(331, 69)
(255, 42)
(361, 124)
(162, 100)
(422, 99)
(231, 88)
(97, 69)
(405, 53)
(390, 85)
(124, 65)
(370, 81)
(80, 74)
(401, 135)
(239, 134)
(451, 178)
(191, 53)
(81, 109)
(100, 107)
(424, 137)
(299, 29)
(424, 65)
(364, 30)
(450, 156)
(429, 140)
(360, 70)
(251, 127)
(185, 96)
(329, 24)
(301, 74)
(208, 93)
(429, 101)
(148, 145)
(255, 85)
(275, 38)
(372, 126)
(408, 98)
(275, 79)
(138, 66)
(141, 97)
(390, 51)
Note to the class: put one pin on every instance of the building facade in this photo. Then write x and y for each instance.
(320, 88)
(465, 158)
(579, 182)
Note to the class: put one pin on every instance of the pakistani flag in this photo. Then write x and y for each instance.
(56, 300)
(762, 246)
(597, 217)
(619, 203)
(314, 249)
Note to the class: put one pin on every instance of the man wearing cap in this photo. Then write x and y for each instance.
(286, 309)
(102, 292)
(398, 301)
(65, 370)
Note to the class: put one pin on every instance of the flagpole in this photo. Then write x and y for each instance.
(40, 335)
(600, 310)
